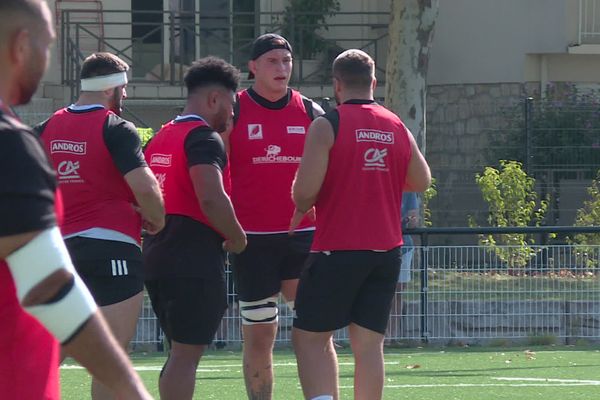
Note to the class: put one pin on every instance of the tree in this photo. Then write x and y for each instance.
(410, 34)
(512, 201)
(302, 19)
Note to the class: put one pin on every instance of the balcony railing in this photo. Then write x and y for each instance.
(159, 45)
(589, 22)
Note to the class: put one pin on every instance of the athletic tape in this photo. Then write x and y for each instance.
(32, 264)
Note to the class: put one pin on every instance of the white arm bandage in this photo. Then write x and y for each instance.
(104, 82)
(33, 263)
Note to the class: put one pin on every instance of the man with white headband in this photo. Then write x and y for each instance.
(43, 302)
(109, 193)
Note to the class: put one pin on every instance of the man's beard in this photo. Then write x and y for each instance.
(117, 104)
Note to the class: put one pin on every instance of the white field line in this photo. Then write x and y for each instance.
(219, 367)
(441, 385)
(535, 382)
(547, 380)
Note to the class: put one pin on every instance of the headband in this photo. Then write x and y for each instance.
(104, 82)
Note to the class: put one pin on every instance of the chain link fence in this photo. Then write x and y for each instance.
(466, 294)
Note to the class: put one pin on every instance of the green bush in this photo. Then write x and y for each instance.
(512, 201)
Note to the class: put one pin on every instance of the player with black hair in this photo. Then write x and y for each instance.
(185, 262)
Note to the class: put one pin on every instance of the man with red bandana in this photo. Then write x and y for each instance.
(265, 146)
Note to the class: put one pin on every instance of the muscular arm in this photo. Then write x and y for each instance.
(418, 176)
(125, 148)
(46, 289)
(313, 166)
(148, 196)
(215, 204)
(206, 158)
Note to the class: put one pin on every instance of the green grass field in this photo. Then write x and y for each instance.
(549, 373)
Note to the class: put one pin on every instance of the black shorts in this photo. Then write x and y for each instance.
(111, 270)
(268, 260)
(189, 310)
(184, 248)
(347, 287)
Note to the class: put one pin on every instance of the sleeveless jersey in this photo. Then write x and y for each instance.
(265, 150)
(95, 193)
(166, 156)
(358, 206)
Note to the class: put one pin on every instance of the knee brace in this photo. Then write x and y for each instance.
(291, 305)
(259, 312)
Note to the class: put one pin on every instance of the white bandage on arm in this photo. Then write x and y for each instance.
(33, 263)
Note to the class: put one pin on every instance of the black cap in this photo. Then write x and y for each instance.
(267, 42)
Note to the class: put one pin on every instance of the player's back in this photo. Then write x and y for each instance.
(358, 207)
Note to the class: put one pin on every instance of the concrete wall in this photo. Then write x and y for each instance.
(483, 41)
(486, 41)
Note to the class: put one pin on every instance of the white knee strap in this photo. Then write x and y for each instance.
(259, 312)
(32, 264)
(323, 397)
(291, 305)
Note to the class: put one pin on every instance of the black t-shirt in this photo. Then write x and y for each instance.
(27, 180)
(186, 247)
(120, 137)
(205, 146)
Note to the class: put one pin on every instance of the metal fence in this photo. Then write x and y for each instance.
(469, 294)
(556, 137)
